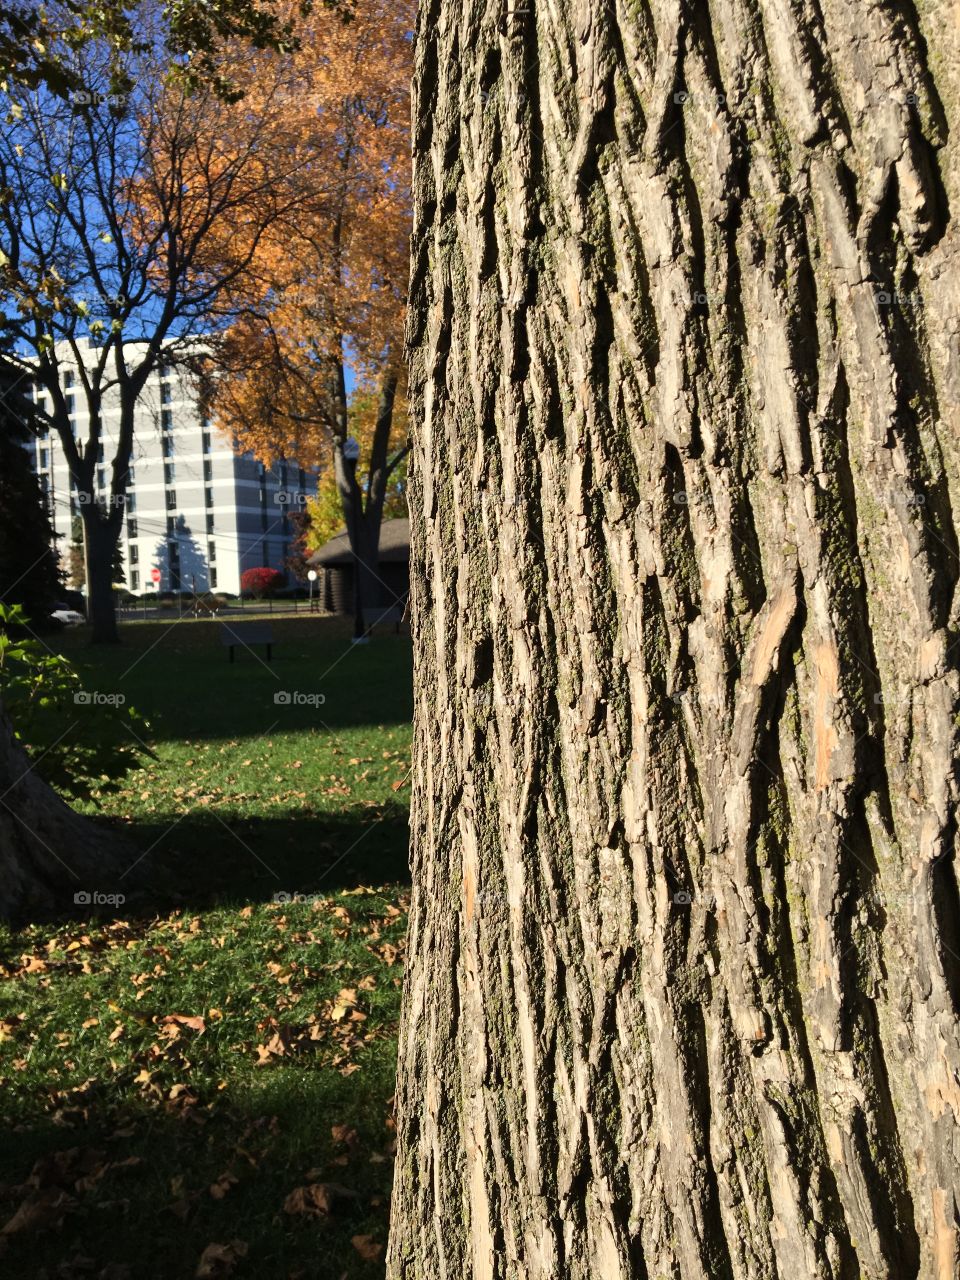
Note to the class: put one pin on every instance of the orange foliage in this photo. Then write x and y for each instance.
(328, 283)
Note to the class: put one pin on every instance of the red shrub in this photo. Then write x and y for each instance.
(261, 582)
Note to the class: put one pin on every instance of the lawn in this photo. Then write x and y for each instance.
(198, 1080)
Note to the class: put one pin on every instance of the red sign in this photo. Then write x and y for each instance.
(155, 575)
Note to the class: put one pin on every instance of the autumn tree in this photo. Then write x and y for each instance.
(324, 512)
(332, 287)
(47, 849)
(125, 227)
(682, 997)
(36, 40)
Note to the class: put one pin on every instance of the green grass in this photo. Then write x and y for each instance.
(138, 1142)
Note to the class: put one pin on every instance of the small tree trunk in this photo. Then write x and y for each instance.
(48, 853)
(100, 540)
(684, 979)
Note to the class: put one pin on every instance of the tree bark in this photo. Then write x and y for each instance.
(100, 542)
(48, 853)
(682, 998)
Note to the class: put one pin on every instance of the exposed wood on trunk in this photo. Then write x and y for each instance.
(684, 972)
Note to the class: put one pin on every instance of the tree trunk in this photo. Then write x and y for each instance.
(48, 853)
(685, 364)
(364, 518)
(100, 541)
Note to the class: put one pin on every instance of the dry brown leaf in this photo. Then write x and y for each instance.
(39, 1212)
(367, 1247)
(318, 1199)
(183, 1020)
(223, 1184)
(220, 1259)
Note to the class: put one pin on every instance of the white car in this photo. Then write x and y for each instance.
(68, 616)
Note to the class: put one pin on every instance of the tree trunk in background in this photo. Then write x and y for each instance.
(685, 943)
(48, 853)
(100, 542)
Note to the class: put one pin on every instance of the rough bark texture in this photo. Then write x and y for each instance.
(47, 852)
(685, 945)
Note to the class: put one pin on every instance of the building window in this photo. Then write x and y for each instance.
(101, 477)
(207, 447)
(168, 473)
(166, 394)
(171, 499)
(166, 419)
(211, 552)
(134, 554)
(132, 505)
(131, 524)
(44, 459)
(130, 475)
(100, 452)
(71, 403)
(167, 446)
(213, 578)
(134, 580)
(207, 471)
(171, 524)
(208, 497)
(209, 522)
(69, 378)
(74, 505)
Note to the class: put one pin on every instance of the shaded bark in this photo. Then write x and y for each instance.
(682, 997)
(48, 853)
(100, 543)
(363, 517)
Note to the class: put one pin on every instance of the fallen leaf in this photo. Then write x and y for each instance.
(317, 1199)
(344, 1133)
(223, 1184)
(39, 1212)
(367, 1247)
(181, 1020)
(220, 1259)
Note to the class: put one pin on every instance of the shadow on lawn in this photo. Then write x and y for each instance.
(123, 1187)
(181, 680)
(202, 860)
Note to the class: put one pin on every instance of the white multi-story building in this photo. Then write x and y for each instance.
(196, 511)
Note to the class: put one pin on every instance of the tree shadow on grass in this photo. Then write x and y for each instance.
(202, 860)
(182, 682)
(144, 1184)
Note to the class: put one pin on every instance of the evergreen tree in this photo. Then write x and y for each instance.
(29, 573)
